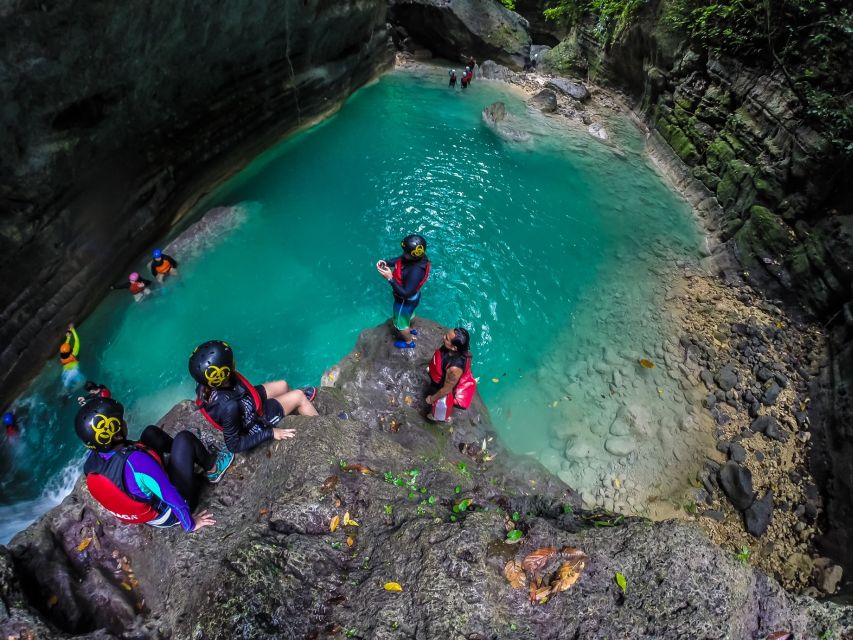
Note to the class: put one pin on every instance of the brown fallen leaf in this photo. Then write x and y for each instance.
(350, 541)
(329, 485)
(338, 503)
(84, 543)
(362, 469)
(263, 511)
(538, 594)
(567, 575)
(408, 401)
(395, 426)
(780, 635)
(514, 574)
(334, 523)
(535, 561)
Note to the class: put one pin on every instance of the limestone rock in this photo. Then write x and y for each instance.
(491, 70)
(574, 90)
(545, 101)
(736, 483)
(620, 445)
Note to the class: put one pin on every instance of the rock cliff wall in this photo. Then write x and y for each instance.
(116, 115)
(434, 512)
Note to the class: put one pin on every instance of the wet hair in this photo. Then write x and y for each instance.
(461, 340)
(91, 386)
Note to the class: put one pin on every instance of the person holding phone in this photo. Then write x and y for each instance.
(406, 274)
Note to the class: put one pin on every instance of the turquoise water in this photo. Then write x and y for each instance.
(547, 250)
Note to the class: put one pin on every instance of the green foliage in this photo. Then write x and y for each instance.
(509, 4)
(743, 554)
(514, 535)
(621, 581)
(612, 16)
(809, 41)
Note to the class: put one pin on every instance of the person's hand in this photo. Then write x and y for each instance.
(283, 434)
(203, 519)
(383, 269)
(429, 400)
(70, 326)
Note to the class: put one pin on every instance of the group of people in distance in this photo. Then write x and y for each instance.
(467, 75)
(162, 266)
(156, 480)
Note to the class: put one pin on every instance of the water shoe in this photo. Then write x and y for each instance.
(310, 393)
(400, 344)
(414, 332)
(223, 460)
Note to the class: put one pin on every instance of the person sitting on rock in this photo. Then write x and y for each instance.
(452, 74)
(138, 287)
(152, 481)
(162, 265)
(450, 371)
(406, 274)
(247, 415)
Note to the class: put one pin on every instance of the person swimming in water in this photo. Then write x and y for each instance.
(138, 287)
(406, 274)
(248, 415)
(9, 424)
(152, 481)
(68, 353)
(163, 265)
(466, 78)
(93, 390)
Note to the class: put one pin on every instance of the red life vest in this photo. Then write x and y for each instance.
(105, 480)
(398, 273)
(136, 287)
(463, 392)
(256, 399)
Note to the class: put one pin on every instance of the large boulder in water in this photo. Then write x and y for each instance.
(495, 117)
(454, 28)
(431, 508)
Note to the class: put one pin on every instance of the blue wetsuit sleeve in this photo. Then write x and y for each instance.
(232, 429)
(152, 480)
(412, 277)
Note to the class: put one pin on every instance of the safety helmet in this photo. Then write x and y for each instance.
(65, 348)
(212, 363)
(133, 277)
(414, 246)
(157, 253)
(100, 424)
(8, 419)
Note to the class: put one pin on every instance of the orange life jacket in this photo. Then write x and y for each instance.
(164, 267)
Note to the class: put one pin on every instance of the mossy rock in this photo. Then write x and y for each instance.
(565, 58)
(719, 154)
(768, 189)
(765, 233)
(701, 173)
(681, 144)
(735, 189)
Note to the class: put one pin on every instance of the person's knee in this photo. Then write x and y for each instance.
(184, 440)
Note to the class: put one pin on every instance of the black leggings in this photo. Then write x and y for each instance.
(184, 452)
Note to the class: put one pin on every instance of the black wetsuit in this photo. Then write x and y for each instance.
(413, 272)
(155, 263)
(234, 410)
(127, 283)
(452, 80)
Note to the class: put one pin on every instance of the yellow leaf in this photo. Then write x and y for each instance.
(408, 401)
(334, 523)
(646, 363)
(393, 586)
(495, 380)
(349, 521)
(350, 541)
(85, 542)
(126, 586)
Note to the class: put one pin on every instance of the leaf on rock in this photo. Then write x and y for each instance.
(514, 536)
(622, 582)
(514, 574)
(535, 561)
(329, 485)
(393, 586)
(539, 595)
(263, 511)
(408, 401)
(572, 554)
(350, 541)
(362, 469)
(349, 522)
(567, 575)
(646, 363)
(334, 523)
(84, 543)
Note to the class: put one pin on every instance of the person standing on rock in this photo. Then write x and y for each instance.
(247, 415)
(162, 265)
(406, 274)
(450, 372)
(152, 481)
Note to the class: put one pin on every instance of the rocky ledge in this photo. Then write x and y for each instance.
(374, 523)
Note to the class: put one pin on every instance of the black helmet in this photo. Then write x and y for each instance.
(100, 424)
(212, 363)
(414, 246)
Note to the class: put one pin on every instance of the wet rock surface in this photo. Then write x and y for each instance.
(430, 517)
